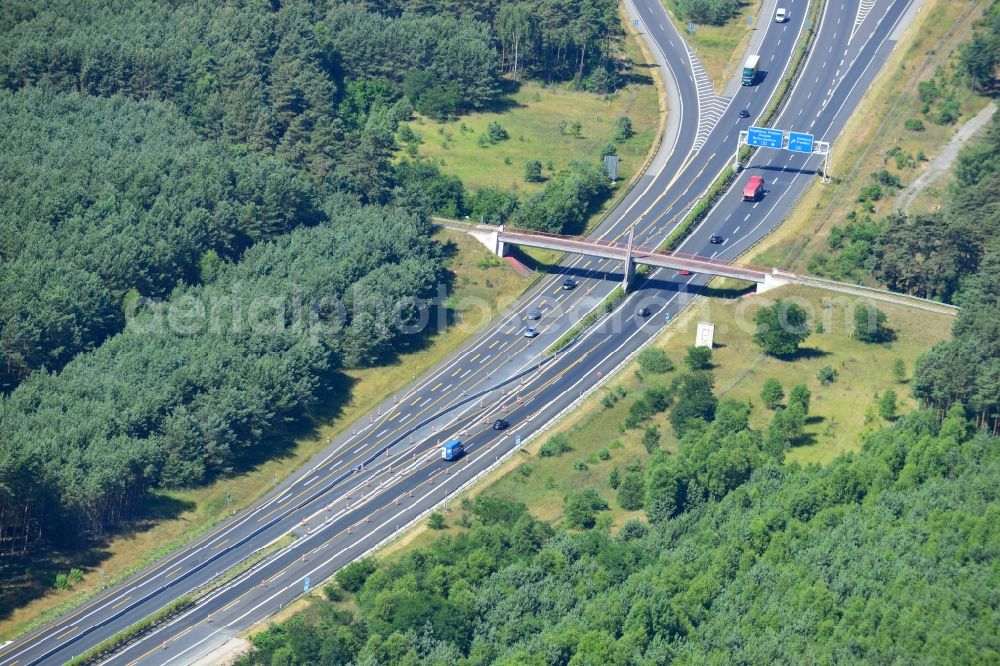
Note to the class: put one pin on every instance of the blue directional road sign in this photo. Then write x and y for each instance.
(799, 142)
(764, 137)
(305, 584)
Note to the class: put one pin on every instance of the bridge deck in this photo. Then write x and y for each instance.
(641, 255)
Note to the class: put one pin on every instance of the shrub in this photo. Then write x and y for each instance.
(772, 394)
(496, 510)
(581, 507)
(869, 324)
(604, 454)
(406, 133)
(631, 492)
(781, 328)
(608, 149)
(614, 478)
(580, 466)
(826, 375)
(352, 577)
(555, 446)
(533, 171)
(914, 124)
(801, 396)
(655, 361)
(632, 530)
(436, 521)
(948, 111)
(651, 439)
(887, 179)
(899, 371)
(492, 205)
(887, 405)
(871, 192)
(623, 129)
(332, 592)
(699, 358)
(695, 402)
(496, 133)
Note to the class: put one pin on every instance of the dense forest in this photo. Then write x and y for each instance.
(169, 163)
(884, 556)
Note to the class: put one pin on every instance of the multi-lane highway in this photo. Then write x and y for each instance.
(372, 481)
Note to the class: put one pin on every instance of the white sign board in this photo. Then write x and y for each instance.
(705, 336)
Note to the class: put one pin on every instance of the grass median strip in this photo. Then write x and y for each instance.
(607, 305)
(109, 645)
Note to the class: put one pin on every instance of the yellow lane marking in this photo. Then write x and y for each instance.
(122, 602)
(494, 344)
(474, 358)
(438, 386)
(66, 633)
(388, 506)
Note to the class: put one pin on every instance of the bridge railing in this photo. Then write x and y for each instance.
(640, 250)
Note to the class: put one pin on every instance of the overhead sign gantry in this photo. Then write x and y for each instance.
(797, 142)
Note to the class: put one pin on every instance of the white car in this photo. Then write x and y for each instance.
(781, 15)
(530, 332)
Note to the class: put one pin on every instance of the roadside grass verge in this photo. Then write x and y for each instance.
(720, 47)
(876, 128)
(482, 288)
(835, 424)
(532, 116)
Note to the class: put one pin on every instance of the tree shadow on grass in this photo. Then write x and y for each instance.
(805, 439)
(31, 576)
(640, 74)
(803, 354)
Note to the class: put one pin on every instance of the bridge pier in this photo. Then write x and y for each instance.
(629, 275)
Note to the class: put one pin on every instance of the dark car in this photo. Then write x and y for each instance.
(715, 239)
(500, 424)
(744, 113)
(642, 312)
(568, 283)
(534, 313)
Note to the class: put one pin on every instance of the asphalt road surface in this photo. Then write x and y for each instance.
(372, 482)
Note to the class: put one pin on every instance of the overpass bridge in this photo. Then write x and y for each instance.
(499, 240)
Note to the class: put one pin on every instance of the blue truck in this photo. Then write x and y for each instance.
(452, 450)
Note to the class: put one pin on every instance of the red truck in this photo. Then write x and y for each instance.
(753, 189)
